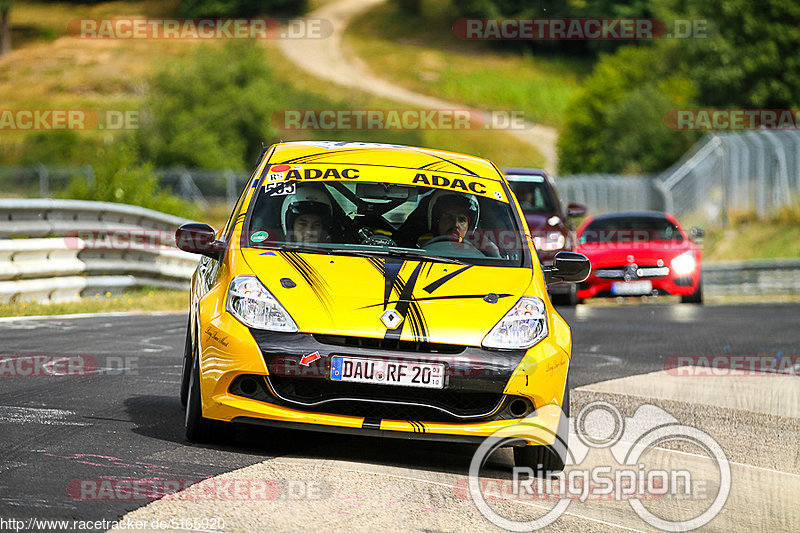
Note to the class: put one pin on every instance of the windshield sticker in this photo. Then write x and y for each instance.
(276, 172)
(259, 236)
(327, 174)
(280, 188)
(456, 183)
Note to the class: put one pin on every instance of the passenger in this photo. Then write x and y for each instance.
(306, 215)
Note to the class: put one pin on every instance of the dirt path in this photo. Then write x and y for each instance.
(326, 59)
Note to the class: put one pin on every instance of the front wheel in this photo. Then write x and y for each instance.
(548, 458)
(569, 299)
(696, 297)
(198, 428)
(186, 367)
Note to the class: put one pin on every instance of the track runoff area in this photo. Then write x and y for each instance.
(681, 418)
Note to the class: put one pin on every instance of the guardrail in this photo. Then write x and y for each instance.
(57, 264)
(83, 248)
(760, 276)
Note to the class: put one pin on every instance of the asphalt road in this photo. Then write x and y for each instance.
(60, 437)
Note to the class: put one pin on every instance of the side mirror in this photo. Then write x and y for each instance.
(569, 267)
(696, 233)
(576, 210)
(199, 239)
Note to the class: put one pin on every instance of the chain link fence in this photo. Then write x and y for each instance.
(756, 171)
(200, 186)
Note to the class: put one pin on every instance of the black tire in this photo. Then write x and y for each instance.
(198, 428)
(569, 299)
(545, 459)
(186, 367)
(696, 297)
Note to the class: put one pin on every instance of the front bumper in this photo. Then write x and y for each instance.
(536, 376)
(666, 285)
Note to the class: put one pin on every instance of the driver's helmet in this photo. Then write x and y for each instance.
(444, 200)
(307, 200)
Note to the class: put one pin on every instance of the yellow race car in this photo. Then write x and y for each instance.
(379, 290)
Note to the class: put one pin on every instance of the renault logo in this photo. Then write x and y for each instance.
(391, 318)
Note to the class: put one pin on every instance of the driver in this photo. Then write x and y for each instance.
(306, 215)
(451, 214)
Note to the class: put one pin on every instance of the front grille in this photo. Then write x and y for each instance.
(653, 271)
(384, 344)
(361, 399)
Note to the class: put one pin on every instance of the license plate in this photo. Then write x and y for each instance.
(632, 288)
(386, 372)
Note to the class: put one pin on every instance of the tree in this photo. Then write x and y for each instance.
(750, 58)
(616, 122)
(5, 26)
(211, 110)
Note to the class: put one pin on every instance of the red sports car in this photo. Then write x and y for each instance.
(640, 253)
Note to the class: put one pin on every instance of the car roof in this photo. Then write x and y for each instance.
(519, 173)
(632, 214)
(391, 155)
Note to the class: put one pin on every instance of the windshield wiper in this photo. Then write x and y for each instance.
(296, 248)
(397, 252)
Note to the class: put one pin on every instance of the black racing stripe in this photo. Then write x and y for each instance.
(444, 279)
(371, 423)
(378, 264)
(465, 169)
(413, 425)
(422, 427)
(415, 313)
(312, 277)
(292, 261)
(453, 297)
(314, 156)
(391, 275)
(404, 302)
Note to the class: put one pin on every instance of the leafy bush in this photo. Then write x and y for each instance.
(616, 122)
(211, 110)
(241, 8)
(120, 177)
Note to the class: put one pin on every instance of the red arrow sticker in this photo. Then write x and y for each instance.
(306, 360)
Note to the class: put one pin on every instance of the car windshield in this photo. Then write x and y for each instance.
(533, 194)
(624, 229)
(383, 219)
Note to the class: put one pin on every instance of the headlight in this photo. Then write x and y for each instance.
(253, 305)
(554, 240)
(522, 327)
(683, 264)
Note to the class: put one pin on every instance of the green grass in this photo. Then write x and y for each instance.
(140, 300)
(58, 71)
(423, 54)
(747, 238)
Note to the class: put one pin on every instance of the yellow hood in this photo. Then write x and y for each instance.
(346, 295)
